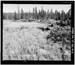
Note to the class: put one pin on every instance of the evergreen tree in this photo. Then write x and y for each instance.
(51, 14)
(22, 14)
(47, 14)
(68, 17)
(68, 14)
(62, 17)
(15, 16)
(18, 12)
(42, 14)
(57, 15)
(35, 14)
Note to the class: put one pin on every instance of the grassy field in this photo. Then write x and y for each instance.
(25, 41)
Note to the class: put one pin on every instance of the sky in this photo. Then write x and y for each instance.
(29, 7)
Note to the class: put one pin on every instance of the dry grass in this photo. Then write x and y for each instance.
(24, 41)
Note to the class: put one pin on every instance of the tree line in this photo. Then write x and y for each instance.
(41, 14)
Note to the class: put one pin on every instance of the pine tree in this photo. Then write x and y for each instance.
(57, 15)
(22, 14)
(47, 14)
(62, 16)
(35, 14)
(15, 16)
(18, 12)
(51, 14)
(68, 17)
(42, 14)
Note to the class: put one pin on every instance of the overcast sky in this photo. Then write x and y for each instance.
(29, 7)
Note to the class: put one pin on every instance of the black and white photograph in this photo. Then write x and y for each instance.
(36, 32)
